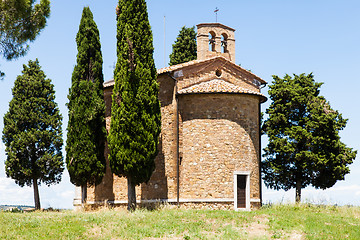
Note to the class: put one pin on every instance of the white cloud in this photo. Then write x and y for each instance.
(353, 187)
(11, 193)
(55, 196)
(341, 194)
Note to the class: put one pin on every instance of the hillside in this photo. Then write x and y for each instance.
(18, 207)
(270, 222)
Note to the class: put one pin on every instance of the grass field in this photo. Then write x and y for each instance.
(270, 222)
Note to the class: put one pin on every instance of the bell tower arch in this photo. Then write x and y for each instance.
(215, 39)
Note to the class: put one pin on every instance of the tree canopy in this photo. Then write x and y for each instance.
(32, 131)
(20, 22)
(184, 48)
(135, 111)
(304, 144)
(86, 131)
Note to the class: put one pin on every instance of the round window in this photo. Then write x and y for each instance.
(218, 72)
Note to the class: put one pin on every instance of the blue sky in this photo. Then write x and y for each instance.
(273, 37)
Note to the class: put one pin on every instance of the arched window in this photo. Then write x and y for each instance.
(212, 41)
(224, 38)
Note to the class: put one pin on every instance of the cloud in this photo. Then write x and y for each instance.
(341, 195)
(55, 196)
(353, 187)
(11, 193)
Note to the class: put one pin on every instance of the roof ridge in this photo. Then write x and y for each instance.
(182, 65)
(217, 86)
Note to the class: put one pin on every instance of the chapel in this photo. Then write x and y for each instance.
(210, 146)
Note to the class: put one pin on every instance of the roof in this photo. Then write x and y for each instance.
(196, 62)
(192, 63)
(218, 86)
(109, 83)
(214, 24)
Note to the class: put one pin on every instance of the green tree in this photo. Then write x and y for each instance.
(135, 111)
(184, 48)
(304, 144)
(32, 131)
(20, 22)
(86, 133)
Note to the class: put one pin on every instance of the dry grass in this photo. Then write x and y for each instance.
(270, 222)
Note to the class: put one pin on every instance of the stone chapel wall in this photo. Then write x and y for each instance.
(218, 135)
(215, 133)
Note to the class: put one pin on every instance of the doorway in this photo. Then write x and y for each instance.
(241, 190)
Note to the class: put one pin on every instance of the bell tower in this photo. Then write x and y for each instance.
(215, 39)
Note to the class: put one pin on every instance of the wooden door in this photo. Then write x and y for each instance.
(241, 191)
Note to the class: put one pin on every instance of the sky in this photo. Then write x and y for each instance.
(273, 37)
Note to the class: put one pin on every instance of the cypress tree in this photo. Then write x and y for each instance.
(86, 127)
(184, 48)
(304, 143)
(135, 110)
(32, 132)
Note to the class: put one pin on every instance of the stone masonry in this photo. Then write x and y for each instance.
(209, 147)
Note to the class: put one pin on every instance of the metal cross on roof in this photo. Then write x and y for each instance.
(216, 10)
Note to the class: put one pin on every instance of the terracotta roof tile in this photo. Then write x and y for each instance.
(217, 86)
(212, 86)
(182, 65)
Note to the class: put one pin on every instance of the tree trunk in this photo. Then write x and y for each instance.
(298, 191)
(36, 195)
(83, 193)
(131, 195)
